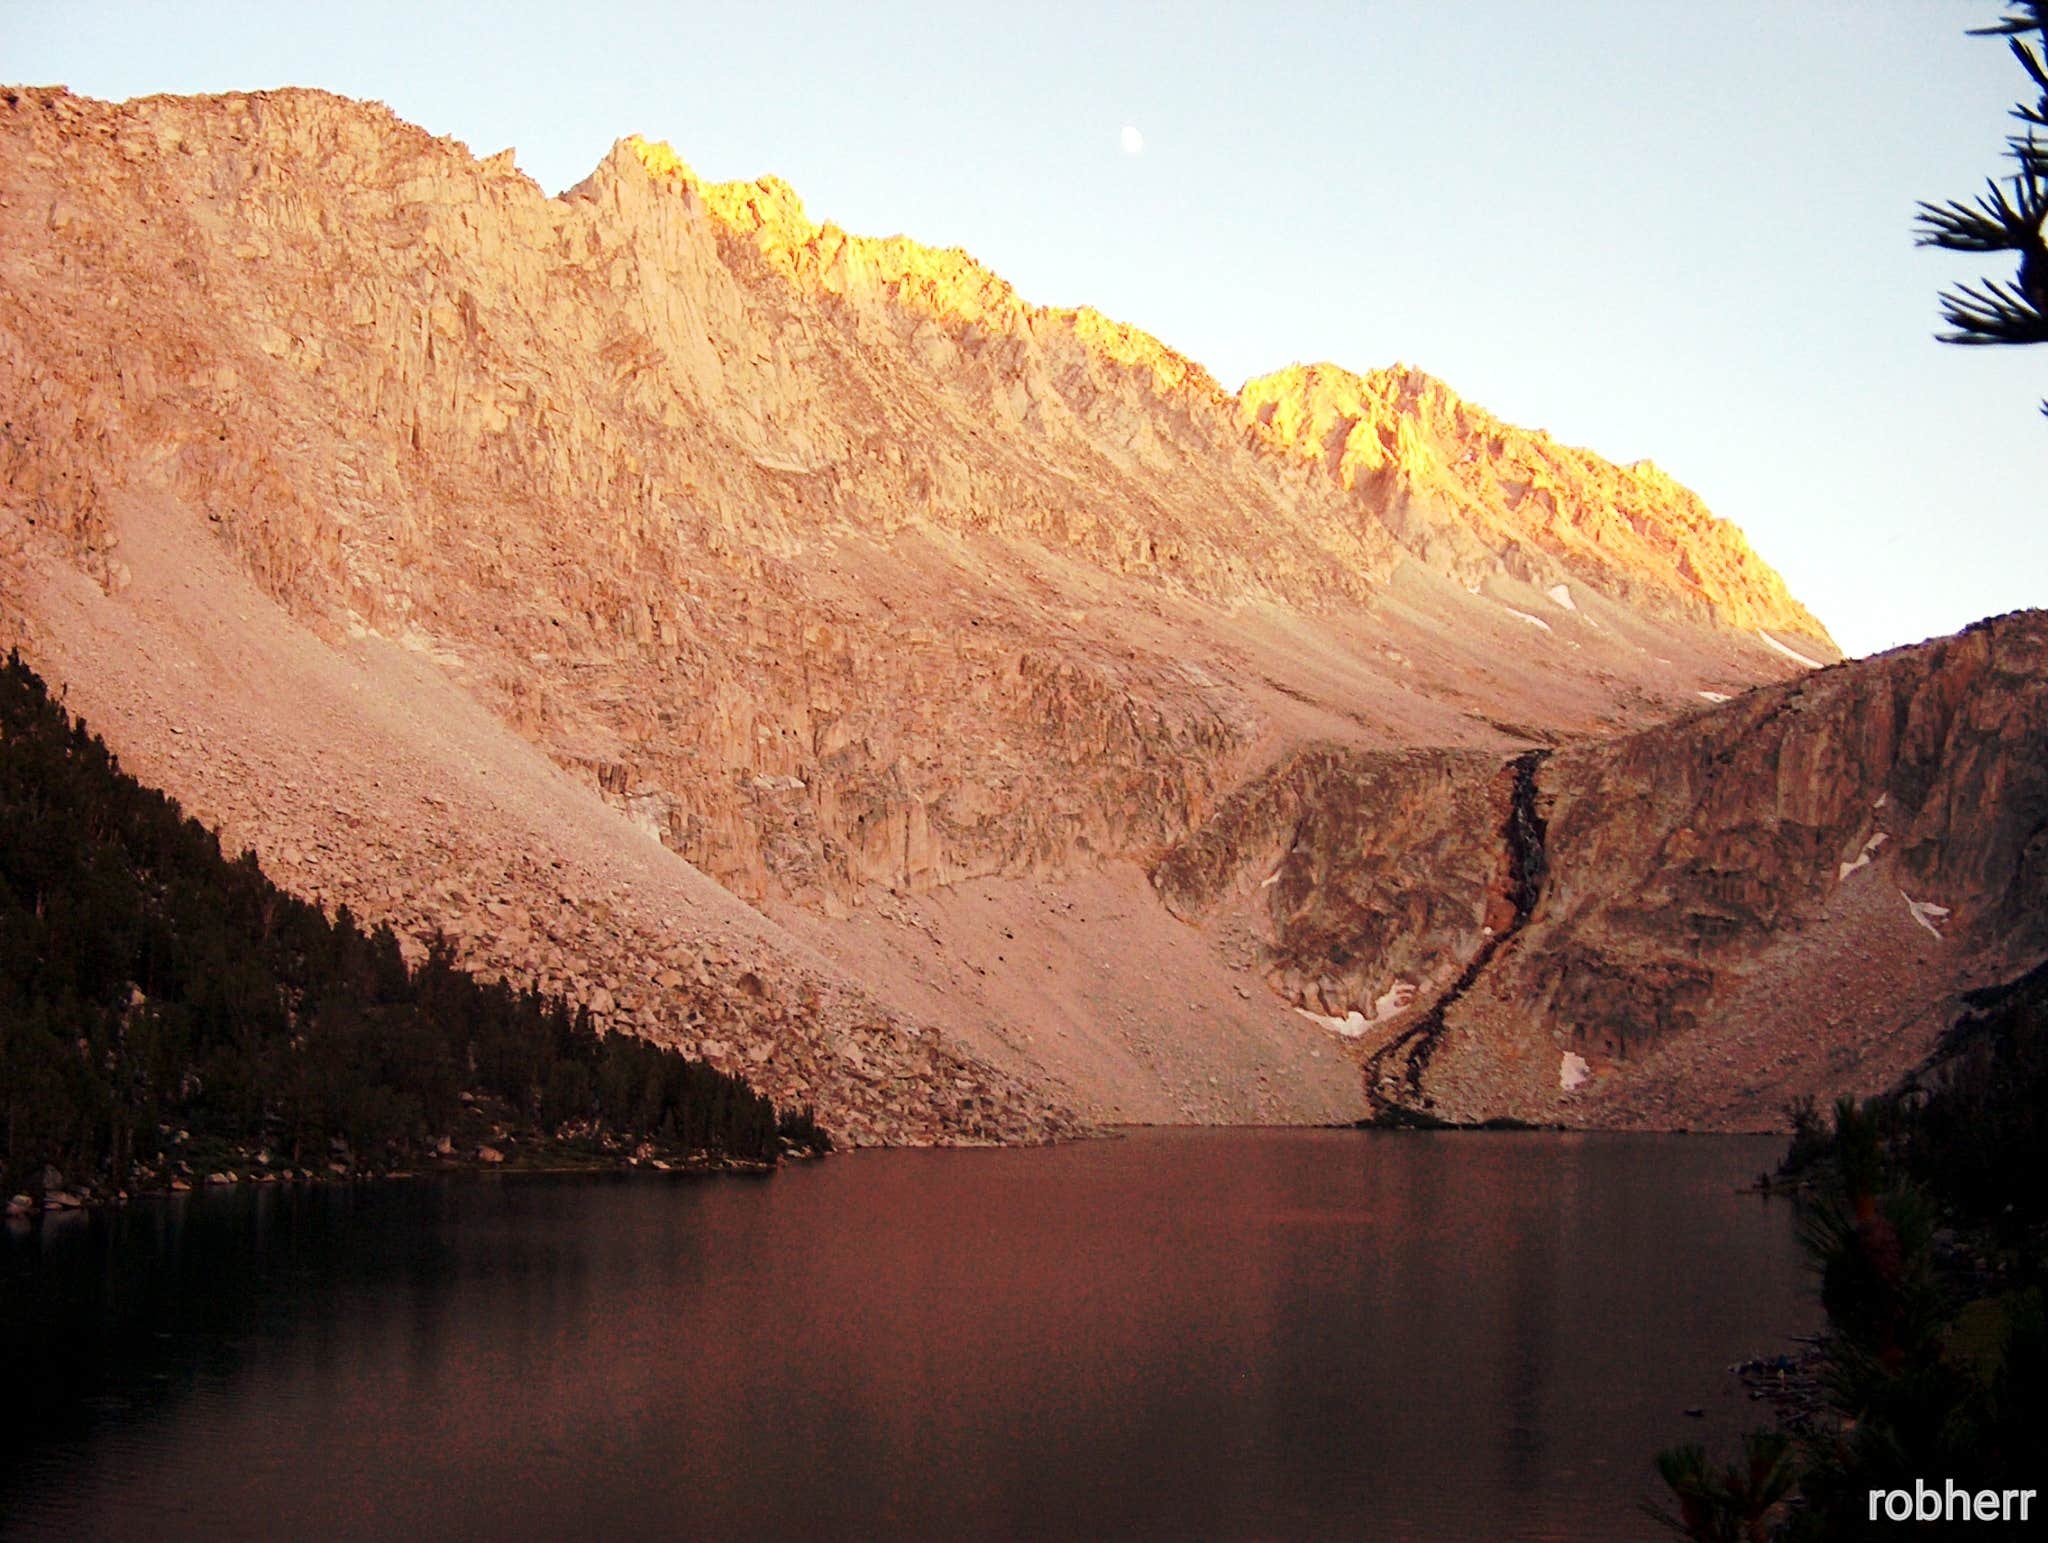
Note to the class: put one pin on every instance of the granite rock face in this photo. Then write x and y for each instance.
(1470, 495)
(1678, 854)
(1371, 871)
(842, 572)
(1813, 869)
(742, 515)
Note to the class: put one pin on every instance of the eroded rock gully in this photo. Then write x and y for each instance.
(1779, 896)
(729, 560)
(1394, 1071)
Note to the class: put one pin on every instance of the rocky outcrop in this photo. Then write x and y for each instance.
(1808, 875)
(1370, 873)
(1677, 854)
(1474, 498)
(829, 562)
(708, 499)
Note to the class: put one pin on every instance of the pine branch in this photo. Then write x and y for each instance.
(2028, 62)
(2032, 155)
(2028, 16)
(1992, 313)
(1994, 224)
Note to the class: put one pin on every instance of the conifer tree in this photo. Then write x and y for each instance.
(2009, 216)
(159, 1000)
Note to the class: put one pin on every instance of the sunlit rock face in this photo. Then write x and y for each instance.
(830, 564)
(1469, 494)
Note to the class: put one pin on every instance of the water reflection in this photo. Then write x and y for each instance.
(1296, 1334)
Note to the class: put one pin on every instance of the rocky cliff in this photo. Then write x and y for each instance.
(1694, 923)
(913, 613)
(1472, 496)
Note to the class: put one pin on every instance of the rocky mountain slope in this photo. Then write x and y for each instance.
(1694, 923)
(793, 643)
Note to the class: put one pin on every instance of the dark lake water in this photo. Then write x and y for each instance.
(1269, 1334)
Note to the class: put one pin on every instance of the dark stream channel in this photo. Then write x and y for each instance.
(1270, 1334)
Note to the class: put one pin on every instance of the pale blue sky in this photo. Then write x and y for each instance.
(1664, 229)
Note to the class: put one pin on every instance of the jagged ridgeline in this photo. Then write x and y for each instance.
(160, 1002)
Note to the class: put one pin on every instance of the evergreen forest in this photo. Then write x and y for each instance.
(165, 1008)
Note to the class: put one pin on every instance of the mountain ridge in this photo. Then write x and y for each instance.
(946, 285)
(879, 634)
(951, 284)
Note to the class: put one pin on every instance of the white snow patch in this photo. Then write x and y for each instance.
(1716, 696)
(1270, 879)
(1534, 621)
(1573, 1073)
(1562, 595)
(1351, 1025)
(1926, 912)
(1862, 858)
(1397, 998)
(1790, 653)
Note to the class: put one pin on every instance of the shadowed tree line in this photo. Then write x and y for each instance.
(1924, 1214)
(158, 999)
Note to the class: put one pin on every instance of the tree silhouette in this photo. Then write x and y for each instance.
(163, 1006)
(1736, 1504)
(2008, 217)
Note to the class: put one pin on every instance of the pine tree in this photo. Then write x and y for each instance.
(2009, 217)
(149, 985)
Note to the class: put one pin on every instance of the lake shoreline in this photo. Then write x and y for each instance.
(244, 1169)
(28, 1207)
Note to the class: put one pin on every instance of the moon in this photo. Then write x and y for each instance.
(1132, 141)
